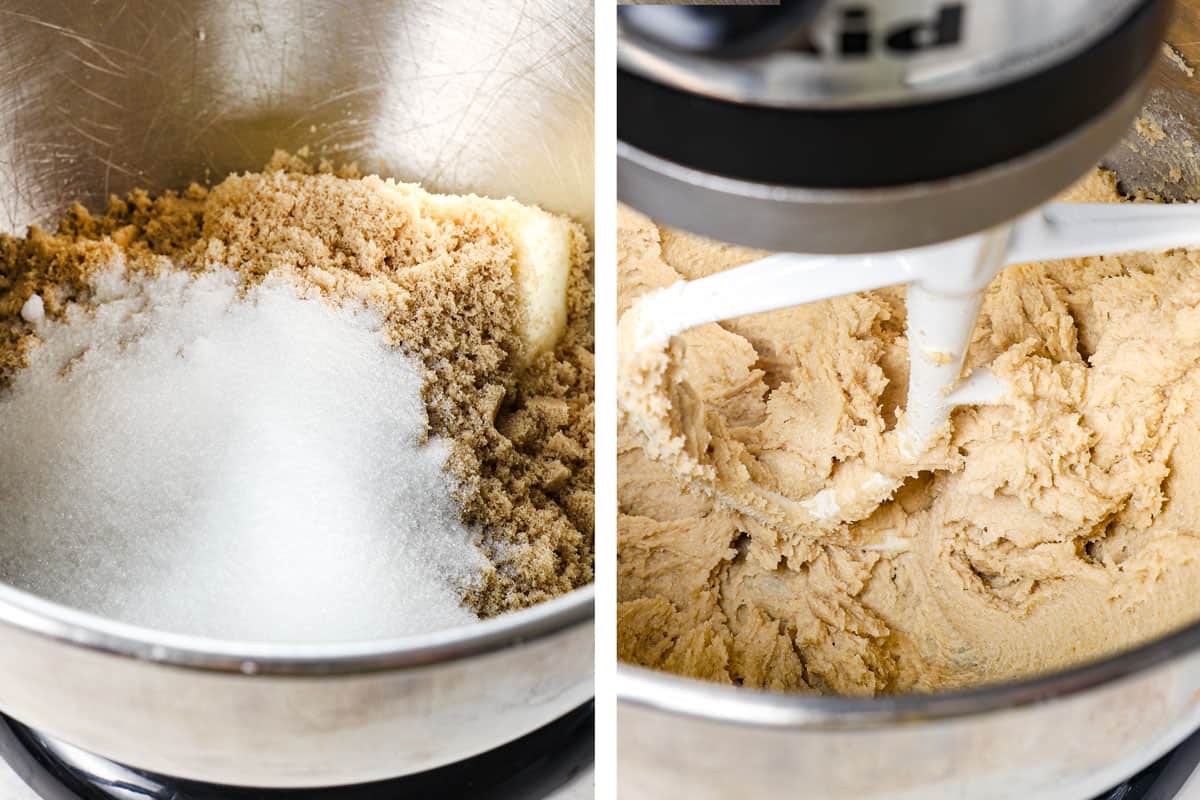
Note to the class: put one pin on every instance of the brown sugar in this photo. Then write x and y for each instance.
(519, 421)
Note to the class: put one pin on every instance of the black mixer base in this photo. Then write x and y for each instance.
(1163, 779)
(533, 766)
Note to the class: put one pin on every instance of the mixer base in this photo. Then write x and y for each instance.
(1164, 778)
(534, 766)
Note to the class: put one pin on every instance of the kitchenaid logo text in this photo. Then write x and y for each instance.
(855, 34)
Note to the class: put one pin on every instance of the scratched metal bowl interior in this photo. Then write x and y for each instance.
(97, 99)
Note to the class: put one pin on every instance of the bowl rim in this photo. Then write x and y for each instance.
(50, 620)
(703, 700)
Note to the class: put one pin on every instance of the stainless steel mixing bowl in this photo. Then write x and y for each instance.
(491, 96)
(1066, 736)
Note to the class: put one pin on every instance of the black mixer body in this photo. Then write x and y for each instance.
(852, 127)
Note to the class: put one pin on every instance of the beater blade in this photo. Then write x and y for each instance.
(945, 288)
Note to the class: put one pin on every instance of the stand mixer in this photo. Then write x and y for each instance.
(879, 143)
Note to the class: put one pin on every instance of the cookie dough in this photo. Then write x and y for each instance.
(1053, 529)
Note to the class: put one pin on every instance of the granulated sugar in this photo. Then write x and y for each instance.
(143, 475)
(191, 455)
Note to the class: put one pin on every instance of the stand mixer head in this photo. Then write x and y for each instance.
(835, 127)
(898, 140)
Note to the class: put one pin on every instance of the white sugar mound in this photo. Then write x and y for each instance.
(243, 468)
